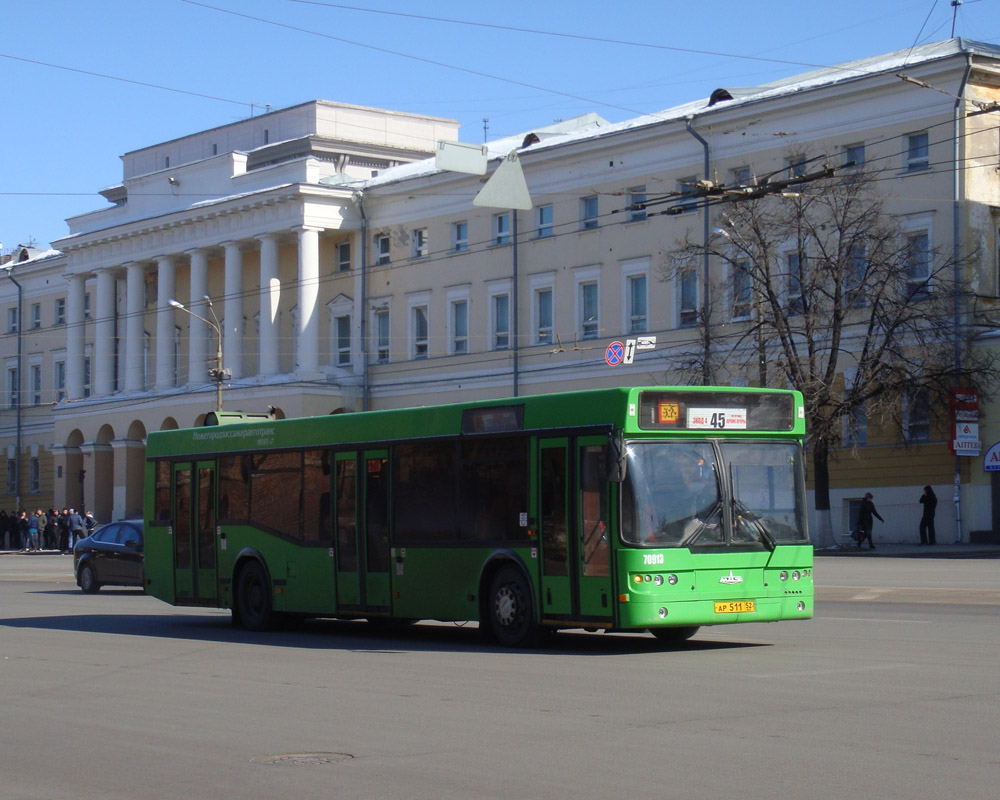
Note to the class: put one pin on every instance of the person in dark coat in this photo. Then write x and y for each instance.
(865, 520)
(929, 501)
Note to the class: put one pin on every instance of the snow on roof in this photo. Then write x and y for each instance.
(591, 126)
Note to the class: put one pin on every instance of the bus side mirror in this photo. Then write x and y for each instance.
(617, 456)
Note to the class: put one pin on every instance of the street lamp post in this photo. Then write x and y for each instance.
(220, 375)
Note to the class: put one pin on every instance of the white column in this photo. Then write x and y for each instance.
(198, 331)
(166, 321)
(233, 349)
(308, 332)
(270, 294)
(74, 338)
(135, 304)
(104, 333)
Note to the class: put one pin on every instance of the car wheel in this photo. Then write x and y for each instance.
(88, 580)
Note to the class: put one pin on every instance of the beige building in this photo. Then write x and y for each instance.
(348, 272)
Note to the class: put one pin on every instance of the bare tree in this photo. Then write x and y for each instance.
(830, 294)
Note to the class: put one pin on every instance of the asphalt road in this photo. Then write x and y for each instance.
(890, 692)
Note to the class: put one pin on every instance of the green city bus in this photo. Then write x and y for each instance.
(624, 509)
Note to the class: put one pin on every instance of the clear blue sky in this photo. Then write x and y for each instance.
(84, 81)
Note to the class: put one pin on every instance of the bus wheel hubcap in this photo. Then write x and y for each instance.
(506, 606)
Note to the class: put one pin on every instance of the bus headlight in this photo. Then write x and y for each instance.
(783, 575)
(663, 613)
(658, 580)
(672, 580)
(795, 575)
(801, 606)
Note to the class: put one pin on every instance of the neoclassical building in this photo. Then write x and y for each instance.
(345, 270)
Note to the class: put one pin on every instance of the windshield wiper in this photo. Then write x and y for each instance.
(705, 522)
(754, 520)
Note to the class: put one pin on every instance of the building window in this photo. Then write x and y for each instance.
(86, 306)
(36, 384)
(854, 155)
(588, 213)
(589, 309)
(11, 476)
(59, 380)
(637, 307)
(917, 416)
(460, 326)
(918, 264)
(34, 475)
(12, 320)
(60, 311)
(344, 257)
(418, 332)
(740, 176)
(854, 281)
(86, 376)
(917, 152)
(544, 218)
(460, 237)
(500, 321)
(543, 315)
(742, 284)
(381, 330)
(855, 433)
(420, 243)
(36, 315)
(687, 189)
(687, 292)
(501, 228)
(381, 249)
(793, 275)
(796, 166)
(342, 325)
(637, 204)
(13, 388)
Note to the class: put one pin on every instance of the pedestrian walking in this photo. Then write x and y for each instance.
(75, 522)
(929, 501)
(865, 521)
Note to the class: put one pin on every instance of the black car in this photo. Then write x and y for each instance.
(110, 556)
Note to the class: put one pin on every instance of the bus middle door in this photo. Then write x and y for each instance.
(196, 579)
(554, 526)
(595, 529)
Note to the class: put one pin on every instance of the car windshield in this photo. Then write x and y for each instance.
(694, 493)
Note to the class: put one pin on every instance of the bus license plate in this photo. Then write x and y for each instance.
(734, 607)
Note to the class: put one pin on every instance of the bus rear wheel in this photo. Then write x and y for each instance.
(511, 612)
(674, 634)
(253, 598)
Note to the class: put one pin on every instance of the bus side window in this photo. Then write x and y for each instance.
(594, 511)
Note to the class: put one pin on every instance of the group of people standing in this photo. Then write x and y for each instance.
(868, 513)
(31, 531)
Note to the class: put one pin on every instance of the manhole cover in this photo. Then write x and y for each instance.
(296, 759)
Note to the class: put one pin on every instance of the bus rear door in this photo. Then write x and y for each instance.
(196, 579)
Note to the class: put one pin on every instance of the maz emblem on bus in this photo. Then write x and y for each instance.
(730, 578)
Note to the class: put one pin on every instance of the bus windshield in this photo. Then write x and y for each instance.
(711, 494)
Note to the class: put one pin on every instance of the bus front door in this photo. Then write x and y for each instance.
(554, 525)
(196, 579)
(362, 533)
(594, 529)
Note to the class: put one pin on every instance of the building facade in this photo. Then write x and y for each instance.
(345, 271)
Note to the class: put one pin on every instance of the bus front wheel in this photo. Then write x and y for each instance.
(674, 634)
(253, 598)
(511, 612)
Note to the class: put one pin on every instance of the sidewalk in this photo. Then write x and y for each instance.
(892, 550)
